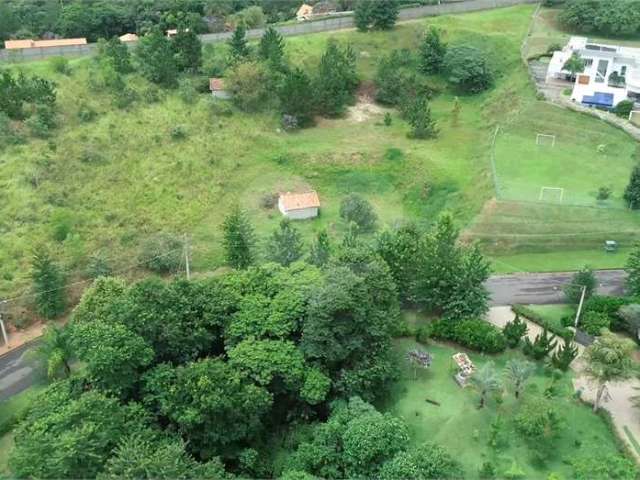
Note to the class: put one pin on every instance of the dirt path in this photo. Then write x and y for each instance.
(619, 405)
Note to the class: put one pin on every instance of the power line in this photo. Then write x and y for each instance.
(89, 280)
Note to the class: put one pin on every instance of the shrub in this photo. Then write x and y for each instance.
(60, 65)
(250, 84)
(37, 126)
(471, 333)
(564, 355)
(514, 331)
(540, 347)
(219, 108)
(161, 253)
(593, 322)
(354, 208)
(124, 98)
(468, 69)
(177, 132)
(535, 317)
(603, 193)
(387, 119)
(86, 113)
(187, 92)
(151, 94)
(623, 108)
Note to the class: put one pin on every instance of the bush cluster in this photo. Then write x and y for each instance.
(475, 334)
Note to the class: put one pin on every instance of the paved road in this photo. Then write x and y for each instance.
(545, 288)
(16, 373)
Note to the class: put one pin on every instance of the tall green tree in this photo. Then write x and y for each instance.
(210, 402)
(486, 380)
(55, 352)
(285, 245)
(320, 250)
(296, 97)
(69, 434)
(238, 239)
(362, 15)
(633, 272)
(156, 59)
(608, 359)
(401, 250)
(384, 14)
(271, 48)
(187, 49)
(153, 456)
(48, 284)
(418, 113)
(238, 47)
(113, 355)
(336, 80)
(425, 462)
(468, 69)
(116, 53)
(632, 190)
(432, 51)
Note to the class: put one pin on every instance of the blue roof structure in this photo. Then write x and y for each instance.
(598, 99)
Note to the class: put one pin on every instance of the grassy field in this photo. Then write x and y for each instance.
(582, 153)
(116, 181)
(119, 179)
(553, 314)
(464, 430)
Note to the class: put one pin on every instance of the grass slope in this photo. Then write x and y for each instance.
(464, 430)
(121, 178)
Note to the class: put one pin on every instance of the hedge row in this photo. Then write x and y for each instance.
(540, 320)
(473, 333)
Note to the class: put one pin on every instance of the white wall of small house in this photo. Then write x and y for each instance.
(301, 214)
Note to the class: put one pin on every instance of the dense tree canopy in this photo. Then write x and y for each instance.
(606, 17)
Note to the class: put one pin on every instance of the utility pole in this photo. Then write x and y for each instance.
(186, 256)
(584, 291)
(4, 331)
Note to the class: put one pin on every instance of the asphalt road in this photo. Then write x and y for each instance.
(17, 374)
(546, 288)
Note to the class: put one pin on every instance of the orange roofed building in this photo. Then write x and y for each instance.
(299, 206)
(61, 42)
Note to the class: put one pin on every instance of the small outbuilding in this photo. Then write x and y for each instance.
(216, 85)
(305, 12)
(128, 37)
(299, 206)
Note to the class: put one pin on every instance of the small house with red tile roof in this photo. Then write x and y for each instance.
(299, 206)
(216, 85)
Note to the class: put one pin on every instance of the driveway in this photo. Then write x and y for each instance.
(546, 288)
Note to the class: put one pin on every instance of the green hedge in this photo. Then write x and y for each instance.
(472, 333)
(540, 320)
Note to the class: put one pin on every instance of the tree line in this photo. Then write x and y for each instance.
(190, 378)
(606, 17)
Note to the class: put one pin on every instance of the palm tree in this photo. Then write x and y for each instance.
(608, 359)
(55, 352)
(517, 372)
(485, 381)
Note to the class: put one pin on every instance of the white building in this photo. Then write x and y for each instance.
(298, 206)
(611, 73)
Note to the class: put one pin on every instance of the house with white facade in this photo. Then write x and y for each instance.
(299, 206)
(611, 73)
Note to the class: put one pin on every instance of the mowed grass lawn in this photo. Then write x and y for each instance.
(115, 181)
(586, 156)
(464, 430)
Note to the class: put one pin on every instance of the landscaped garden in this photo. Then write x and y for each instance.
(490, 435)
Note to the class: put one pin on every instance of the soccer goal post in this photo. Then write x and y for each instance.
(545, 139)
(634, 117)
(551, 194)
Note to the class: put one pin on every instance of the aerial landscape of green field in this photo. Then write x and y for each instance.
(168, 317)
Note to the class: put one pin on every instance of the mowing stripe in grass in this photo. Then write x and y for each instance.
(632, 439)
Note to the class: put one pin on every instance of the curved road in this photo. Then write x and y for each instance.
(17, 374)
